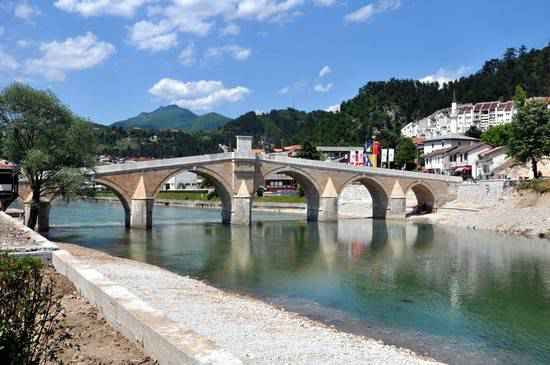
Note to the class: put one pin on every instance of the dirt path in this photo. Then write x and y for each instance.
(88, 338)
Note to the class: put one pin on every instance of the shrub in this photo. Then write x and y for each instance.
(539, 185)
(29, 312)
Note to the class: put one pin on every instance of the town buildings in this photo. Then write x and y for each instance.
(453, 154)
(460, 117)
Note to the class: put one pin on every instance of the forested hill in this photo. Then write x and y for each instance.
(174, 117)
(381, 108)
(384, 107)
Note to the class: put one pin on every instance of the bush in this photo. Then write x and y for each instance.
(539, 185)
(29, 313)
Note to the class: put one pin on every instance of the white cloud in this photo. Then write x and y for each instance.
(324, 2)
(443, 76)
(320, 88)
(197, 95)
(231, 29)
(333, 108)
(125, 8)
(325, 71)
(73, 54)
(25, 11)
(236, 52)
(368, 11)
(7, 62)
(198, 17)
(22, 43)
(284, 90)
(153, 37)
(187, 55)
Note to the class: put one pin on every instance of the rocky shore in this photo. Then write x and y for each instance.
(523, 213)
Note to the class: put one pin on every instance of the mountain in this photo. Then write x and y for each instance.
(174, 117)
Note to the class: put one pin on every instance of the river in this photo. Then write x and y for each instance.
(460, 296)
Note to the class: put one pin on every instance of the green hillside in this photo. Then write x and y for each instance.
(380, 108)
(174, 117)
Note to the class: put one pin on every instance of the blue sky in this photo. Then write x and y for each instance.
(111, 59)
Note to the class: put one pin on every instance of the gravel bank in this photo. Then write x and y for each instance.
(525, 213)
(254, 331)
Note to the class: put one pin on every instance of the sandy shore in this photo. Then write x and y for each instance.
(254, 331)
(525, 213)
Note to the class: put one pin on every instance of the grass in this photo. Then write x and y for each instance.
(281, 199)
(185, 195)
(539, 185)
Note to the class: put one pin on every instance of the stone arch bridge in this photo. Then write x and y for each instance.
(238, 175)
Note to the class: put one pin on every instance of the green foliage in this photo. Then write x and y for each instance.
(29, 313)
(174, 117)
(538, 185)
(530, 131)
(497, 136)
(474, 132)
(47, 140)
(406, 154)
(309, 152)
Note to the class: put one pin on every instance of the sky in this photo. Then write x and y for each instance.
(112, 59)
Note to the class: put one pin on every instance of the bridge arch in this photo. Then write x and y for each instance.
(312, 190)
(425, 197)
(124, 200)
(221, 186)
(377, 192)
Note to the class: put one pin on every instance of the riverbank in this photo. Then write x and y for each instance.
(87, 338)
(525, 213)
(274, 207)
(254, 331)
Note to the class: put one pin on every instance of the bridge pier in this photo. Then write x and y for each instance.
(241, 211)
(328, 209)
(398, 202)
(141, 213)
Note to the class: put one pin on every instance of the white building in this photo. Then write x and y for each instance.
(183, 181)
(460, 117)
(444, 155)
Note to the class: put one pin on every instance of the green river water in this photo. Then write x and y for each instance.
(460, 296)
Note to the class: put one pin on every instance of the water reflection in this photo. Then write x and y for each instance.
(462, 296)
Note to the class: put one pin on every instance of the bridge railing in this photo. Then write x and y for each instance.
(168, 163)
(329, 165)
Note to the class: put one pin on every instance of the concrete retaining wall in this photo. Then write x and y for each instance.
(484, 193)
(160, 337)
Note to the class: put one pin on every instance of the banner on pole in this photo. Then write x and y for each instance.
(391, 155)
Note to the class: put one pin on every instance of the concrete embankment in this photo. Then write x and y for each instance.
(496, 207)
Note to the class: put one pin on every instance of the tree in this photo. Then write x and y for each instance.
(51, 144)
(473, 132)
(309, 152)
(529, 131)
(406, 153)
(498, 135)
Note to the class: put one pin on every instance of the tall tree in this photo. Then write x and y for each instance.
(529, 131)
(309, 152)
(406, 154)
(498, 135)
(50, 144)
